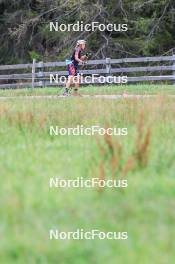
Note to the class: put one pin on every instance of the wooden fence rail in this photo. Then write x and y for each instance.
(37, 75)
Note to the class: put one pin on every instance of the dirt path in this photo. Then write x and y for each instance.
(105, 96)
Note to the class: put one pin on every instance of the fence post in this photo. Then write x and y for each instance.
(41, 74)
(108, 66)
(174, 66)
(33, 73)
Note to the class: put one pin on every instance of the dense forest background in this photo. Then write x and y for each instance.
(24, 28)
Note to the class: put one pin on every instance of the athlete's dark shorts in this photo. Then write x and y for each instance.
(72, 69)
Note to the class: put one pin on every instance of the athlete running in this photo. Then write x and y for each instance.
(72, 67)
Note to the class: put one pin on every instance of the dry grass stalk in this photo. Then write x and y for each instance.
(142, 149)
(109, 143)
(129, 165)
(111, 152)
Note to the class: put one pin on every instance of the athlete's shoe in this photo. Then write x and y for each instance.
(65, 94)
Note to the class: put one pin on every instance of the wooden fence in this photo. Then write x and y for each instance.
(37, 74)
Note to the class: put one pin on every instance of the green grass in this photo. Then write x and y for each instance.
(29, 156)
(111, 89)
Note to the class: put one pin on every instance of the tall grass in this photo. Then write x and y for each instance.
(29, 156)
(111, 151)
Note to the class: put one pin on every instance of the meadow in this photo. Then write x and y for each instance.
(29, 156)
(103, 89)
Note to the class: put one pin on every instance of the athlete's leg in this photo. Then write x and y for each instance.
(69, 81)
(71, 72)
(77, 84)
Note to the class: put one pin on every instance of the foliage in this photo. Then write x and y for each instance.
(25, 28)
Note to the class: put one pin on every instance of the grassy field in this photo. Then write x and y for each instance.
(110, 89)
(29, 156)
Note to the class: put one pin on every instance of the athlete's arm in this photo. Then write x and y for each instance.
(77, 59)
(76, 56)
